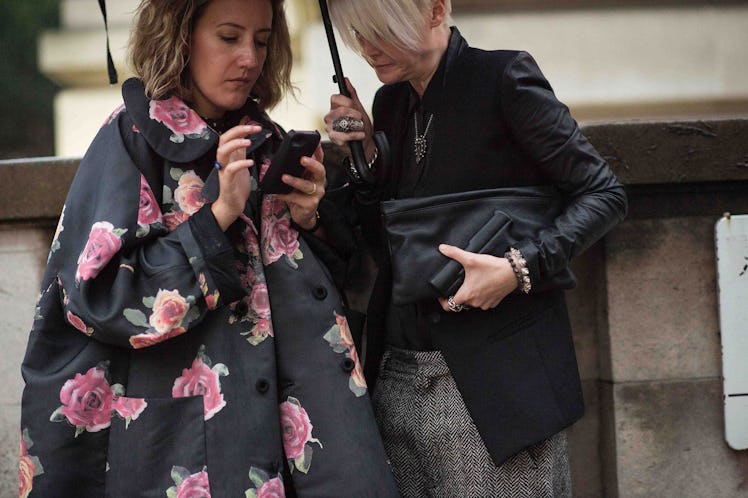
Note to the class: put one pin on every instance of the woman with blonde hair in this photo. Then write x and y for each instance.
(474, 387)
(188, 342)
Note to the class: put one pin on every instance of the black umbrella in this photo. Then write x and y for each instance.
(359, 170)
(109, 61)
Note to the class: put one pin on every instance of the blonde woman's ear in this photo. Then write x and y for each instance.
(438, 13)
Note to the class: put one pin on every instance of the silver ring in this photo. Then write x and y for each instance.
(347, 123)
(453, 306)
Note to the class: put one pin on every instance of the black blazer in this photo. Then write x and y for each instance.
(498, 124)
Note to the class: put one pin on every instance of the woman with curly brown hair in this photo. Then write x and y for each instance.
(187, 340)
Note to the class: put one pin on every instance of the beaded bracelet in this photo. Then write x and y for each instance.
(519, 265)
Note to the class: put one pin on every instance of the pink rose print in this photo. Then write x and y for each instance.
(265, 487)
(296, 429)
(148, 211)
(141, 341)
(189, 193)
(247, 275)
(272, 489)
(251, 245)
(202, 380)
(249, 272)
(357, 374)
(345, 331)
(128, 408)
(113, 115)
(171, 315)
(169, 308)
(58, 230)
(28, 467)
(173, 219)
(78, 324)
(258, 309)
(179, 118)
(264, 166)
(189, 485)
(279, 238)
(103, 243)
(341, 341)
(26, 471)
(211, 298)
(263, 328)
(259, 300)
(272, 207)
(86, 401)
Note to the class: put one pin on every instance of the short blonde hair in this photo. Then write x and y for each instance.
(395, 22)
(159, 51)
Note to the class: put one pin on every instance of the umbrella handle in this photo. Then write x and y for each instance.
(359, 169)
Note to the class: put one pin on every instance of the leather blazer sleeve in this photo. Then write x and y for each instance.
(544, 130)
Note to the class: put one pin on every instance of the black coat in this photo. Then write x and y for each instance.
(498, 124)
(168, 357)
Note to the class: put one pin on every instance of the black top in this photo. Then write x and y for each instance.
(498, 124)
(408, 326)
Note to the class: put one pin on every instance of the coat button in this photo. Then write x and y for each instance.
(262, 386)
(319, 292)
(241, 309)
(347, 365)
(434, 318)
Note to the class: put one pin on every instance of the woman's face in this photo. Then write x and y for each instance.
(392, 64)
(227, 54)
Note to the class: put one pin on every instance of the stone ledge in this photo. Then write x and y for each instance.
(677, 152)
(678, 168)
(34, 189)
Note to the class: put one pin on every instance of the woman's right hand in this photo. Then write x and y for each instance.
(233, 177)
(341, 107)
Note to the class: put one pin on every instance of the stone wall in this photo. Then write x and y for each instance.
(644, 312)
(662, 428)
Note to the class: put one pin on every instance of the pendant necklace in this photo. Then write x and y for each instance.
(420, 142)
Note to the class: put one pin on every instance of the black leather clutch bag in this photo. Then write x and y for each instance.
(481, 221)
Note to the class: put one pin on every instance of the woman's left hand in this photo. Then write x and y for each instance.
(488, 279)
(308, 191)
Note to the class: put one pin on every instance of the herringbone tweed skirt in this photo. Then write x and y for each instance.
(436, 450)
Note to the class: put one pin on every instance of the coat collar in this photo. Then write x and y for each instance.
(434, 91)
(176, 132)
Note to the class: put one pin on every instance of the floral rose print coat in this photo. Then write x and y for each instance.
(170, 359)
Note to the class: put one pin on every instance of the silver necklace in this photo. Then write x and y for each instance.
(420, 142)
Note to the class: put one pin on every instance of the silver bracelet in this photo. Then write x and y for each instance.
(373, 159)
(519, 265)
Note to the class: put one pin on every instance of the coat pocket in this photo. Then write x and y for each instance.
(157, 448)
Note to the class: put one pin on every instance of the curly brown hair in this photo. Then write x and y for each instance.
(159, 51)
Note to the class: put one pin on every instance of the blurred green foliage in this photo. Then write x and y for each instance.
(26, 117)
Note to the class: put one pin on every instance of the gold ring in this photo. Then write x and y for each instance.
(313, 191)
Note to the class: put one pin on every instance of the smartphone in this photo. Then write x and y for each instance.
(287, 160)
